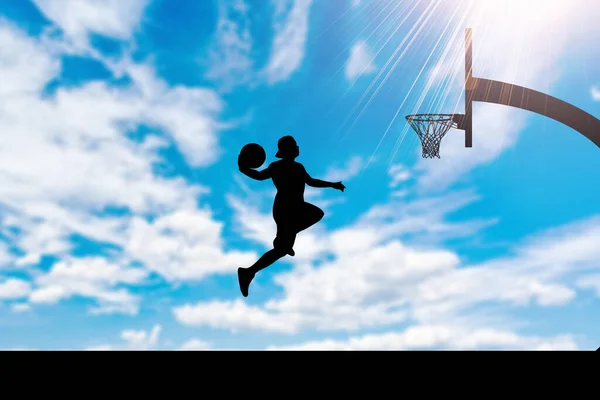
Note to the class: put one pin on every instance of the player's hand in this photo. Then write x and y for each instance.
(338, 186)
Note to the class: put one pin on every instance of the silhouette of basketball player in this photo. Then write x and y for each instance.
(290, 212)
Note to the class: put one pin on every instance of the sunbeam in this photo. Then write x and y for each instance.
(511, 37)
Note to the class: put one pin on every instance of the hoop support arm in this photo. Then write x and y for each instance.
(490, 91)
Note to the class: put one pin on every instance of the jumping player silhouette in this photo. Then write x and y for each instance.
(290, 212)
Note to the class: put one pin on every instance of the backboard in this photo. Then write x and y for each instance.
(431, 128)
(467, 120)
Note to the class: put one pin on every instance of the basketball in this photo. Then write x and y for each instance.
(252, 156)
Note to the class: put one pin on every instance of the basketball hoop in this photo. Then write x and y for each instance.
(431, 128)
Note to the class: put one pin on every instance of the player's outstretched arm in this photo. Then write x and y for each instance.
(318, 183)
(255, 174)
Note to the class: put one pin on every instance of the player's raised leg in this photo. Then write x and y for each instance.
(308, 216)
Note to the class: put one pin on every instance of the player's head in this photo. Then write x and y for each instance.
(287, 148)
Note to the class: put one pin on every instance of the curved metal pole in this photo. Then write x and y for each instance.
(491, 91)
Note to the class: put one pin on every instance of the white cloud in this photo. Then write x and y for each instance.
(79, 18)
(5, 255)
(69, 158)
(195, 344)
(590, 282)
(139, 340)
(427, 337)
(422, 219)
(103, 347)
(291, 29)
(398, 174)
(93, 278)
(20, 349)
(183, 245)
(77, 140)
(351, 169)
(251, 224)
(187, 114)
(378, 273)
(369, 268)
(14, 289)
(235, 315)
(134, 340)
(372, 285)
(20, 307)
(595, 91)
(142, 339)
(359, 62)
(230, 55)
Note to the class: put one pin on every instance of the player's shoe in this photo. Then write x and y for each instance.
(245, 276)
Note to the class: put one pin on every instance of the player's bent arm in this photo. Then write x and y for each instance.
(255, 174)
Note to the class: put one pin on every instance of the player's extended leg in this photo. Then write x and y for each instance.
(282, 245)
(245, 275)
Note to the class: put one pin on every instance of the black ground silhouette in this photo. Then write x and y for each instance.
(291, 213)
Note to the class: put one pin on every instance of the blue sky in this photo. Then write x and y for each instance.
(123, 218)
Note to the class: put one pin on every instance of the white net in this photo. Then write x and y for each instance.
(431, 128)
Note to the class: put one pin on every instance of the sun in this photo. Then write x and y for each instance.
(521, 14)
